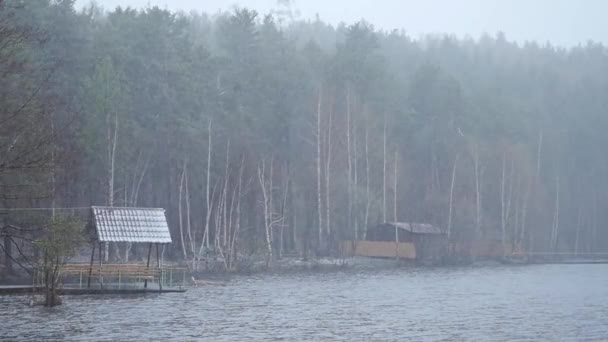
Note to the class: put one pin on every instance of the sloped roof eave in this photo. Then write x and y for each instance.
(417, 228)
(124, 224)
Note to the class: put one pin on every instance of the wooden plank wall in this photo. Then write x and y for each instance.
(379, 249)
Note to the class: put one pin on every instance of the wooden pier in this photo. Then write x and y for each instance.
(73, 291)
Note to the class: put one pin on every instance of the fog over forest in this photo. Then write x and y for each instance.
(560, 22)
(303, 170)
(265, 134)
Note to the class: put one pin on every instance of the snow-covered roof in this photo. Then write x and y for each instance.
(120, 224)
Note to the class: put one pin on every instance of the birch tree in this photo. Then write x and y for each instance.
(105, 89)
(451, 200)
(318, 135)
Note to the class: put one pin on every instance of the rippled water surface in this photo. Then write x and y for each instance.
(535, 303)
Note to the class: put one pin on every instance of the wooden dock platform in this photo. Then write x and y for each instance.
(28, 289)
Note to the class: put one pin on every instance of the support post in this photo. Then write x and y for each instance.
(91, 266)
(8, 262)
(8, 254)
(100, 265)
(160, 270)
(148, 266)
(396, 243)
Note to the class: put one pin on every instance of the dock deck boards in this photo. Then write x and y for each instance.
(28, 289)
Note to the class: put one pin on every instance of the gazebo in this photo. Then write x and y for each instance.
(134, 225)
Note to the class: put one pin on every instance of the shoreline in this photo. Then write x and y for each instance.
(294, 265)
(297, 265)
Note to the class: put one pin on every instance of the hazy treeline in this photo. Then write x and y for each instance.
(272, 135)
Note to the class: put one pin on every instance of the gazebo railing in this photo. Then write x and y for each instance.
(120, 275)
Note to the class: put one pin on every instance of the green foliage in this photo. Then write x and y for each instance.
(61, 240)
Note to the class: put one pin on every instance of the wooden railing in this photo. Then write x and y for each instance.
(138, 271)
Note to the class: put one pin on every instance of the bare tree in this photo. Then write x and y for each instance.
(319, 175)
(367, 181)
(355, 187)
(535, 185)
(180, 215)
(505, 200)
(188, 216)
(208, 200)
(395, 184)
(139, 172)
(384, 170)
(349, 188)
(451, 201)
(538, 154)
(593, 243)
(108, 81)
(555, 226)
(271, 218)
(328, 161)
(478, 171)
(579, 223)
(233, 244)
(283, 213)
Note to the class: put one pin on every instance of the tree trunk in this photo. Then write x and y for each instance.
(233, 248)
(367, 186)
(283, 214)
(536, 183)
(593, 243)
(451, 201)
(355, 185)
(505, 200)
(395, 184)
(478, 189)
(328, 176)
(188, 216)
(180, 214)
(266, 206)
(349, 164)
(225, 195)
(555, 228)
(112, 141)
(384, 170)
(205, 241)
(319, 175)
(578, 229)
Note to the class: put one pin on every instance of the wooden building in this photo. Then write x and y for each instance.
(400, 240)
(132, 225)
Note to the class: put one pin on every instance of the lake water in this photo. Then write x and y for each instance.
(523, 303)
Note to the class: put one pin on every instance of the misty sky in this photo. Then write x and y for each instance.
(562, 22)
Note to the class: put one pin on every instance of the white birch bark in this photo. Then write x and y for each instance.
(328, 161)
(451, 200)
(367, 185)
(208, 201)
(349, 164)
(384, 170)
(319, 173)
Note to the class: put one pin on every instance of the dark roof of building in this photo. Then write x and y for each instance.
(120, 224)
(415, 228)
